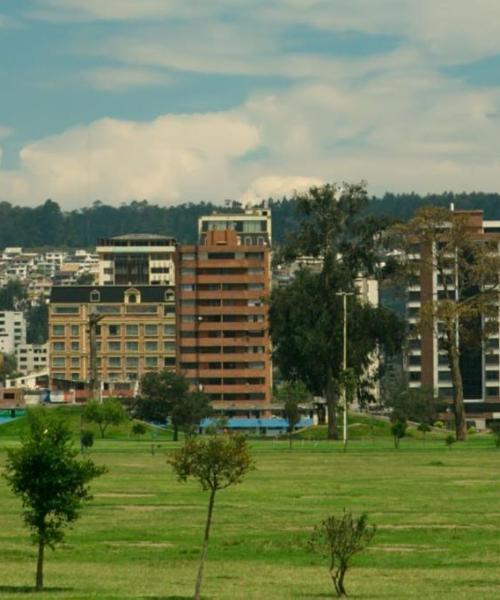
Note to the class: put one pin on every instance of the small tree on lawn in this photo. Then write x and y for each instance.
(217, 463)
(398, 430)
(495, 428)
(187, 412)
(339, 539)
(291, 394)
(51, 482)
(109, 412)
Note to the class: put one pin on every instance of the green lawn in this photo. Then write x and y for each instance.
(437, 512)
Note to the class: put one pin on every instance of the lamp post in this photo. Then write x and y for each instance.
(344, 363)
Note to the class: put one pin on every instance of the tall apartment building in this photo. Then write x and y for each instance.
(12, 330)
(427, 364)
(136, 259)
(223, 334)
(136, 334)
(252, 227)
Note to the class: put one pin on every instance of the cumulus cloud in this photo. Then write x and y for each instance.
(274, 186)
(170, 159)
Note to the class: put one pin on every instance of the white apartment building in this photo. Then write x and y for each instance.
(32, 357)
(12, 330)
(252, 227)
(136, 259)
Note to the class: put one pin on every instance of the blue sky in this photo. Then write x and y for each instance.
(187, 100)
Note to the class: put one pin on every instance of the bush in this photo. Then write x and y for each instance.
(86, 439)
(450, 440)
(471, 430)
(495, 428)
(398, 430)
(139, 429)
(439, 424)
(339, 539)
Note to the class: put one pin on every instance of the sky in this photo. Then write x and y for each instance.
(190, 100)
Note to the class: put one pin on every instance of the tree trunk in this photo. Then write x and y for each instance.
(39, 567)
(290, 440)
(204, 551)
(331, 406)
(458, 391)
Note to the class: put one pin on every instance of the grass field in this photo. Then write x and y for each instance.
(437, 512)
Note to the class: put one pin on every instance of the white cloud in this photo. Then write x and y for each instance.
(170, 159)
(123, 78)
(274, 186)
(106, 10)
(5, 132)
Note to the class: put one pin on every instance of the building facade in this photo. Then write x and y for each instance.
(223, 330)
(12, 330)
(252, 227)
(136, 259)
(31, 357)
(427, 362)
(136, 333)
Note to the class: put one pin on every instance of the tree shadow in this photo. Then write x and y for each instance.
(29, 589)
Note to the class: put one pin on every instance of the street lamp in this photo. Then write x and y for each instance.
(344, 362)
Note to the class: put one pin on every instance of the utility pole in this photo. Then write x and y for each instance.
(94, 383)
(344, 364)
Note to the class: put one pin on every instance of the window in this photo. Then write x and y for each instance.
(151, 346)
(132, 346)
(169, 346)
(114, 361)
(57, 330)
(132, 330)
(95, 296)
(187, 272)
(132, 362)
(151, 361)
(255, 286)
(65, 310)
(113, 330)
(169, 330)
(255, 271)
(492, 376)
(132, 298)
(75, 361)
(75, 330)
(75, 376)
(58, 346)
(188, 318)
(59, 361)
(150, 330)
(108, 309)
(75, 346)
(169, 361)
(114, 346)
(188, 256)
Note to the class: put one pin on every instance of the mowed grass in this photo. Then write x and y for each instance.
(437, 512)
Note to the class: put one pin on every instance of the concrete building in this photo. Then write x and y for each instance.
(136, 334)
(31, 358)
(12, 330)
(426, 361)
(136, 259)
(252, 227)
(223, 332)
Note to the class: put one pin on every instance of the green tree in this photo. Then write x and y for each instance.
(104, 414)
(160, 392)
(187, 412)
(465, 312)
(8, 366)
(51, 483)
(13, 295)
(217, 463)
(398, 430)
(291, 395)
(306, 316)
(339, 539)
(38, 324)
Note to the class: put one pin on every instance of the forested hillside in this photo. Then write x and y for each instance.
(47, 225)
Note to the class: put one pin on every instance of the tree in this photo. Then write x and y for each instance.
(339, 539)
(104, 414)
(465, 311)
(38, 324)
(13, 295)
(306, 316)
(160, 391)
(8, 366)
(51, 483)
(291, 395)
(188, 411)
(398, 430)
(139, 429)
(86, 440)
(217, 463)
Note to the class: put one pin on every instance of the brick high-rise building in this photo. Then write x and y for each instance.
(223, 332)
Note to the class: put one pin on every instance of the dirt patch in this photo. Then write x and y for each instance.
(142, 544)
(122, 495)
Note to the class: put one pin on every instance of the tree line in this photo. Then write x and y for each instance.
(46, 225)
